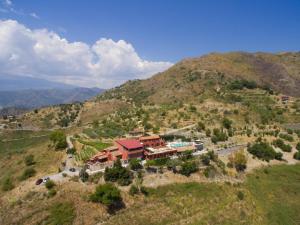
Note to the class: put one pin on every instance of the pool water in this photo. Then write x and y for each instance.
(180, 144)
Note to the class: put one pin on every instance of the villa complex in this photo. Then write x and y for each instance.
(144, 147)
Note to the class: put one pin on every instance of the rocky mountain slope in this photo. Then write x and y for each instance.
(192, 78)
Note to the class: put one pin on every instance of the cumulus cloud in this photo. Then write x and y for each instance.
(44, 54)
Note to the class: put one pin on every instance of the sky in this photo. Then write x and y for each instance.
(104, 43)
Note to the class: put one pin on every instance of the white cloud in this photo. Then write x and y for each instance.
(44, 54)
(34, 15)
(8, 2)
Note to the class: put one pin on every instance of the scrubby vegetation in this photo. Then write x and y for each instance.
(58, 139)
(118, 173)
(264, 151)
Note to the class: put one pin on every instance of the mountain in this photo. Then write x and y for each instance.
(193, 77)
(28, 99)
(16, 83)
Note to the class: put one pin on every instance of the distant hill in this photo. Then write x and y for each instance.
(193, 77)
(29, 99)
(17, 83)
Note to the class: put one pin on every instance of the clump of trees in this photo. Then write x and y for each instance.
(264, 151)
(187, 168)
(287, 137)
(238, 160)
(58, 139)
(240, 84)
(218, 135)
(107, 194)
(280, 144)
(118, 174)
(135, 164)
(227, 123)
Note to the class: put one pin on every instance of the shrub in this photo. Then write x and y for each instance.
(208, 132)
(49, 184)
(188, 168)
(51, 193)
(298, 146)
(280, 144)
(239, 161)
(210, 172)
(7, 184)
(227, 123)
(278, 156)
(144, 190)
(133, 190)
(59, 140)
(71, 151)
(27, 173)
(205, 159)
(262, 150)
(84, 176)
(107, 194)
(240, 195)
(218, 136)
(286, 137)
(135, 164)
(118, 174)
(297, 155)
(29, 160)
(62, 213)
(200, 126)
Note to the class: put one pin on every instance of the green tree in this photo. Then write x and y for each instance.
(135, 164)
(59, 139)
(29, 160)
(7, 184)
(133, 190)
(187, 168)
(50, 184)
(227, 123)
(84, 176)
(238, 160)
(27, 173)
(107, 194)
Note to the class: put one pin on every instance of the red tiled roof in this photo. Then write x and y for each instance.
(130, 143)
(153, 137)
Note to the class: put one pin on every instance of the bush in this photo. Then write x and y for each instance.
(286, 137)
(208, 132)
(135, 164)
(218, 136)
(29, 160)
(107, 194)
(297, 155)
(205, 159)
(144, 191)
(298, 146)
(210, 172)
(278, 156)
(240, 195)
(7, 184)
(28, 172)
(280, 144)
(118, 174)
(262, 150)
(49, 184)
(51, 193)
(227, 123)
(200, 126)
(59, 140)
(62, 213)
(239, 161)
(71, 151)
(84, 176)
(188, 168)
(133, 190)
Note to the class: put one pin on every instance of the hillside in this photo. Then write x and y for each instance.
(192, 78)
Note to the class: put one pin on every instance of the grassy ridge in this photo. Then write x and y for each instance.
(268, 197)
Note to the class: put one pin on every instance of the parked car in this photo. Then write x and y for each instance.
(39, 181)
(45, 179)
(72, 169)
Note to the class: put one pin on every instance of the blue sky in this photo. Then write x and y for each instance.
(169, 30)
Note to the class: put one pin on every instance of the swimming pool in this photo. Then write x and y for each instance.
(180, 144)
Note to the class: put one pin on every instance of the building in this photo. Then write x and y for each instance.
(145, 147)
(159, 152)
(285, 99)
(152, 141)
(130, 148)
